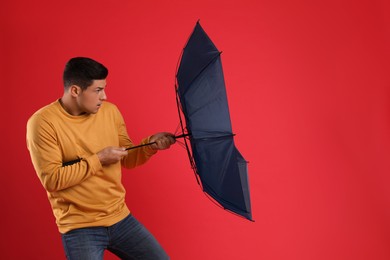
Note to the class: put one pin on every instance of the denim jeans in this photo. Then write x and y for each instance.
(128, 239)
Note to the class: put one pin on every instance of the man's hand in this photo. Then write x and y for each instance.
(163, 140)
(110, 155)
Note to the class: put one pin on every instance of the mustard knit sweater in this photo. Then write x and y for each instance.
(84, 194)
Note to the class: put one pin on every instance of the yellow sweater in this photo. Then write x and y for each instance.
(84, 194)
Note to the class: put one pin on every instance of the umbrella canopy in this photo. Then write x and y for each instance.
(202, 98)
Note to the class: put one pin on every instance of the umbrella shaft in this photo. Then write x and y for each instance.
(141, 145)
(129, 148)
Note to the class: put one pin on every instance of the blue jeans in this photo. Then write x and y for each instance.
(128, 239)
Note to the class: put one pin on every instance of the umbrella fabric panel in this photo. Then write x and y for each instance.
(205, 104)
(198, 52)
(223, 173)
(244, 177)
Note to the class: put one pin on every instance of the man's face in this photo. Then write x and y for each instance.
(90, 99)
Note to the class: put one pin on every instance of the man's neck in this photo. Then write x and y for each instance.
(69, 107)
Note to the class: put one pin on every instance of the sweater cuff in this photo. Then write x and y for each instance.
(94, 162)
(148, 148)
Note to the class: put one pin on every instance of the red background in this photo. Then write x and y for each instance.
(308, 88)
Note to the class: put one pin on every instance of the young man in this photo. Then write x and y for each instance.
(86, 195)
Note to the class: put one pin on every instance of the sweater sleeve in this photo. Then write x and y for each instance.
(135, 157)
(46, 157)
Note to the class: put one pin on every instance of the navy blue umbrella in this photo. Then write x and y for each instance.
(202, 99)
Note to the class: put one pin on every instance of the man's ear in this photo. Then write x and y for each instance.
(75, 90)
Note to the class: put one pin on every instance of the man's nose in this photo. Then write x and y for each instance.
(103, 95)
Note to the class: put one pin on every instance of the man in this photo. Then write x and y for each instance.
(77, 146)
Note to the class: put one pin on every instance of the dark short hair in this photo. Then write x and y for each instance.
(82, 71)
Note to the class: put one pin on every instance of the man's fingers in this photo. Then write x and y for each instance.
(110, 155)
(171, 139)
(165, 142)
(121, 151)
(162, 140)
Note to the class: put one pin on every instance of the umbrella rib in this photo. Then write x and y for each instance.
(189, 153)
(214, 137)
